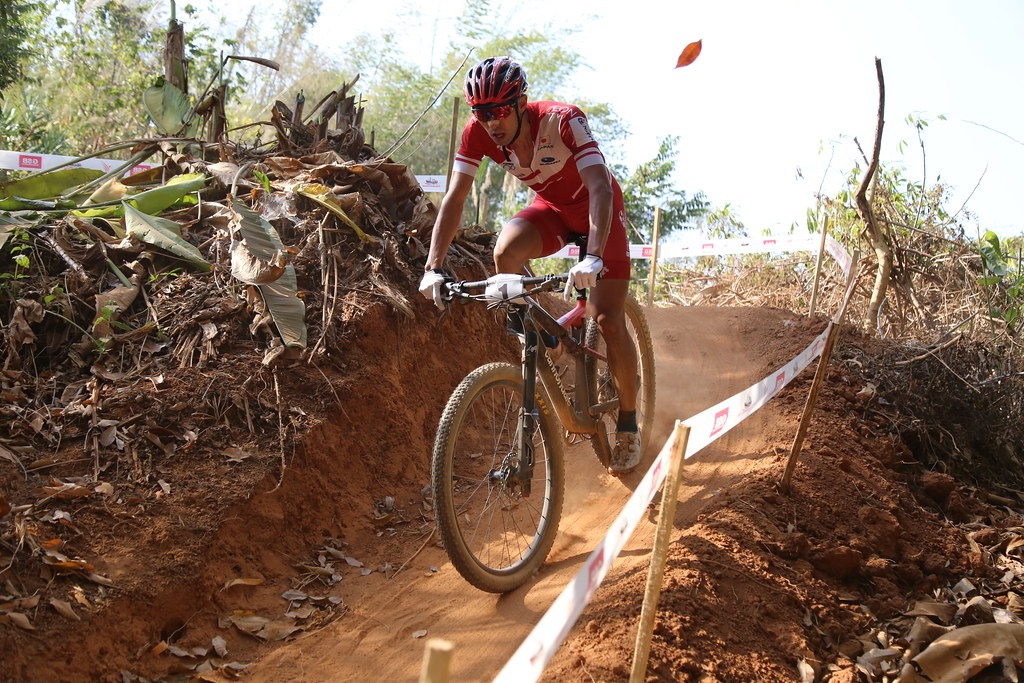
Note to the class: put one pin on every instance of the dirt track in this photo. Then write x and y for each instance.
(757, 582)
(703, 356)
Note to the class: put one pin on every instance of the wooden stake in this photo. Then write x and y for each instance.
(654, 256)
(666, 519)
(437, 658)
(817, 266)
(451, 142)
(819, 377)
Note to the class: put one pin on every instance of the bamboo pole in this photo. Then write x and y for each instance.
(669, 493)
(437, 659)
(654, 256)
(819, 377)
(451, 142)
(817, 266)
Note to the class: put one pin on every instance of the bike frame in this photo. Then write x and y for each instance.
(579, 413)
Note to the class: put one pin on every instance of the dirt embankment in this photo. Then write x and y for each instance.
(326, 566)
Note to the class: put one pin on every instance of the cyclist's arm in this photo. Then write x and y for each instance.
(449, 218)
(598, 181)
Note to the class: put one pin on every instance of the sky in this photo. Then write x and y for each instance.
(767, 115)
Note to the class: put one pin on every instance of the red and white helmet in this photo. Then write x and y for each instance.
(496, 80)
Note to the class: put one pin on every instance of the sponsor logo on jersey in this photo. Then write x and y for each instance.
(581, 130)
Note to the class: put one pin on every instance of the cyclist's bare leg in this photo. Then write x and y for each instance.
(518, 242)
(608, 300)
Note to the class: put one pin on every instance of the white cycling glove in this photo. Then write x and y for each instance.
(431, 287)
(584, 274)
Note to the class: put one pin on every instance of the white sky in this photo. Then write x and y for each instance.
(778, 87)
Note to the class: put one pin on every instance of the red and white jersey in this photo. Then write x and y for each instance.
(563, 145)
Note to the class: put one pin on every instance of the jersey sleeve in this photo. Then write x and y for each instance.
(470, 153)
(576, 133)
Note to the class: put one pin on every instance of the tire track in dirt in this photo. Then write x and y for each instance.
(703, 356)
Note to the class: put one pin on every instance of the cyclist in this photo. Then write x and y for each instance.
(550, 148)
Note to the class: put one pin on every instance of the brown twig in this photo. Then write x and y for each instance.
(424, 545)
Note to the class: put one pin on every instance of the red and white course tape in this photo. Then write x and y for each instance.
(533, 655)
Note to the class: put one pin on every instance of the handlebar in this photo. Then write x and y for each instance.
(503, 287)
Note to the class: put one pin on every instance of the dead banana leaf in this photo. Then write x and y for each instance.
(26, 312)
(281, 295)
(110, 305)
(958, 655)
(261, 627)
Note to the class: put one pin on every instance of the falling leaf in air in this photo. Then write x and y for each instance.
(689, 54)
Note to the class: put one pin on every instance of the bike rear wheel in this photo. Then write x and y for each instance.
(603, 385)
(495, 536)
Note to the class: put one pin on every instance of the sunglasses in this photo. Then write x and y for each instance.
(494, 113)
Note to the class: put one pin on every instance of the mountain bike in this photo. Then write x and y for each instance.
(498, 470)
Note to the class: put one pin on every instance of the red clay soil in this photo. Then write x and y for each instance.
(264, 561)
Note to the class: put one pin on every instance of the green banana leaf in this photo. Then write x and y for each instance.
(48, 184)
(164, 234)
(281, 296)
(22, 204)
(167, 106)
(155, 200)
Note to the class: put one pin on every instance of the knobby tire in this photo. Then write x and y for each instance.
(495, 537)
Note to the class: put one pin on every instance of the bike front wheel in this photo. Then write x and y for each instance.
(603, 384)
(496, 528)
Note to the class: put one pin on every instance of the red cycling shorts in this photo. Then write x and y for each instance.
(559, 226)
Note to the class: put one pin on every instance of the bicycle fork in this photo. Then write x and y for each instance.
(518, 466)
